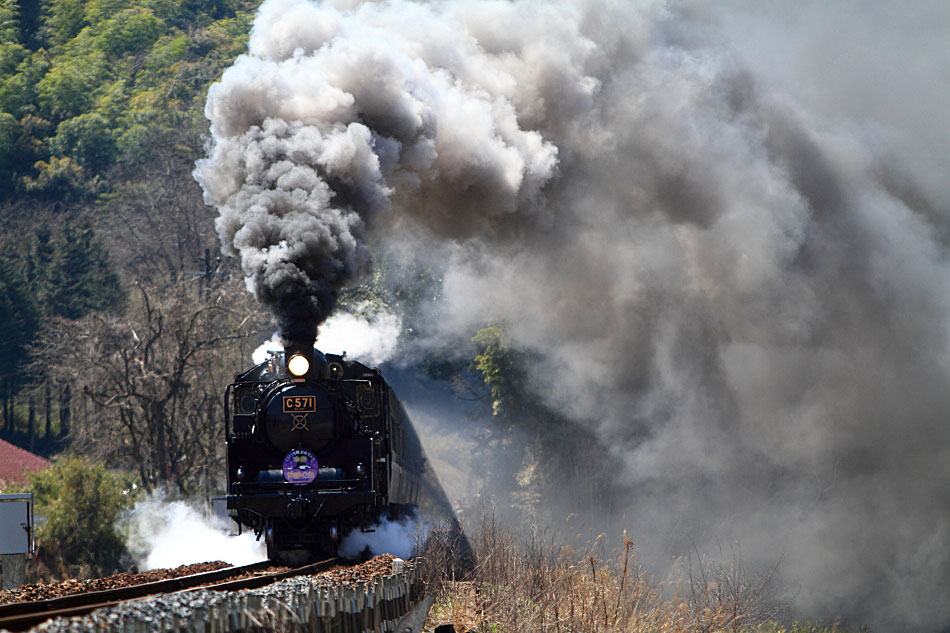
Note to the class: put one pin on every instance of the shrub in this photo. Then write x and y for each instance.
(80, 502)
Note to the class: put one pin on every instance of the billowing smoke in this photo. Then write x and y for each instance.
(164, 534)
(739, 287)
(322, 123)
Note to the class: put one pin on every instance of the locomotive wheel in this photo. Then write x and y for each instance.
(290, 557)
(296, 557)
(269, 542)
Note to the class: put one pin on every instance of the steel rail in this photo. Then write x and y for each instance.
(125, 593)
(20, 616)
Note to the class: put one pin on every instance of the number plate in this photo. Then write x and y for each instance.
(300, 404)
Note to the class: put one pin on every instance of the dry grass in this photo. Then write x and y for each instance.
(531, 583)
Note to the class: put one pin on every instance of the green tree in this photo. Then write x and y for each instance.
(531, 435)
(58, 178)
(19, 313)
(101, 10)
(104, 76)
(20, 71)
(82, 278)
(9, 24)
(8, 146)
(517, 416)
(86, 139)
(11, 54)
(29, 17)
(81, 502)
(31, 143)
(501, 369)
(133, 29)
(69, 88)
(64, 20)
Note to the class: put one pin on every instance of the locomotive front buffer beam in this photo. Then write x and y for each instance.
(281, 504)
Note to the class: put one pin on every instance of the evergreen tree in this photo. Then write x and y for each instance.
(84, 83)
(19, 314)
(39, 269)
(82, 278)
(29, 13)
(8, 134)
(9, 22)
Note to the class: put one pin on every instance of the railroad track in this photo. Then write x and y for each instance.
(20, 616)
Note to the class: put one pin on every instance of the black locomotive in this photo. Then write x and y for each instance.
(319, 445)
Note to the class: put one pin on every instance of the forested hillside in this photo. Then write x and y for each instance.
(90, 88)
(122, 322)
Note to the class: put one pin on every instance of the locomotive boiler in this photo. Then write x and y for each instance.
(318, 445)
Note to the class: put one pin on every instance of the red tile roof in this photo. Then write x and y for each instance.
(15, 463)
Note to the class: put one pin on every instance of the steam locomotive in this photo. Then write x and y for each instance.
(318, 445)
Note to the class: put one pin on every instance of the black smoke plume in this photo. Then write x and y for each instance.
(320, 126)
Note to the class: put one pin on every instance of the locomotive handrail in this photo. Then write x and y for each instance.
(227, 411)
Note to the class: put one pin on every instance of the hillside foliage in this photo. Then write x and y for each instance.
(107, 247)
(84, 84)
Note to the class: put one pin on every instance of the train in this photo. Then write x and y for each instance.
(319, 445)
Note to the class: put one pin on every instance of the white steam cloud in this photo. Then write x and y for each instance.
(743, 295)
(371, 339)
(262, 352)
(399, 538)
(165, 534)
(368, 336)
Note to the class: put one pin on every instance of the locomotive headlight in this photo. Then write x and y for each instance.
(298, 365)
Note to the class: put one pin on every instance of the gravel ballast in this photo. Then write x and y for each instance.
(368, 597)
(43, 591)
